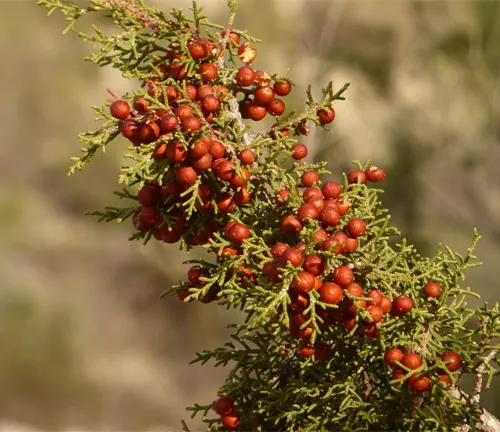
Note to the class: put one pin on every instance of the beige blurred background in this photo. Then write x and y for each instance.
(85, 344)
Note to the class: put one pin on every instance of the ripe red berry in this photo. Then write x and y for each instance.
(200, 149)
(221, 92)
(302, 128)
(148, 132)
(306, 351)
(197, 50)
(330, 293)
(228, 226)
(224, 169)
(194, 274)
(376, 296)
(337, 243)
(228, 252)
(240, 178)
(225, 203)
(120, 109)
(343, 205)
(454, 358)
(223, 406)
(210, 104)
(314, 264)
(349, 323)
(206, 194)
(392, 355)
(386, 304)
(208, 72)
(178, 71)
(432, 290)
(245, 76)
(307, 212)
(398, 374)
(184, 110)
(203, 91)
(356, 227)
(293, 256)
(351, 245)
(326, 116)
(370, 330)
(303, 282)
(276, 107)
(238, 233)
(247, 156)
(357, 176)
(376, 313)
(301, 246)
(401, 305)
(172, 94)
(331, 189)
(355, 289)
(234, 37)
(231, 421)
(149, 216)
(309, 178)
(343, 276)
(299, 151)
(170, 190)
(330, 217)
(317, 202)
(256, 111)
(311, 192)
(419, 383)
(186, 175)
(411, 361)
(242, 196)
(202, 164)
(129, 128)
(264, 95)
(278, 249)
(275, 131)
(291, 224)
(148, 196)
(141, 104)
(375, 174)
(282, 197)
(191, 92)
(190, 124)
(216, 149)
(323, 351)
(137, 223)
(282, 88)
(444, 377)
(168, 123)
(176, 152)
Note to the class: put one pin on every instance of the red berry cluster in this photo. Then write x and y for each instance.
(236, 233)
(420, 381)
(327, 206)
(162, 212)
(230, 419)
(193, 101)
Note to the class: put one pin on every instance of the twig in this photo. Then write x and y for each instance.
(129, 7)
(479, 380)
(488, 423)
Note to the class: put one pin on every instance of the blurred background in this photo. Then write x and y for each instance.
(85, 344)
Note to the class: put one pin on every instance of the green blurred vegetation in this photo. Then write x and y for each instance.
(84, 341)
